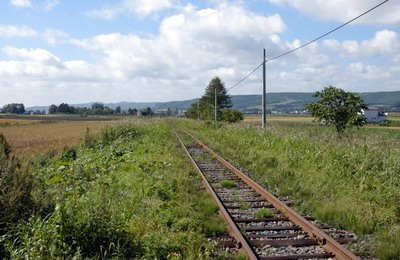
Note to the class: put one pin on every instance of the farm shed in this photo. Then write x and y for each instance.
(374, 115)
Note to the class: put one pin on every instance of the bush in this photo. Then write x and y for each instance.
(231, 115)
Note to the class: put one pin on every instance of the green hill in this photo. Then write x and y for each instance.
(281, 102)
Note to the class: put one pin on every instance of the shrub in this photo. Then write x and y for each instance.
(264, 213)
(231, 115)
(228, 184)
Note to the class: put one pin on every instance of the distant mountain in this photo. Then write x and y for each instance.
(284, 102)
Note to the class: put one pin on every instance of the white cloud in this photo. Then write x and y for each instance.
(38, 55)
(146, 7)
(52, 36)
(384, 42)
(195, 40)
(21, 3)
(190, 48)
(137, 7)
(344, 10)
(106, 13)
(10, 31)
(50, 4)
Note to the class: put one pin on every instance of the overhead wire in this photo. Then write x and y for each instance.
(308, 43)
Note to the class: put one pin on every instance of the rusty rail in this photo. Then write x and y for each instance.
(233, 229)
(314, 232)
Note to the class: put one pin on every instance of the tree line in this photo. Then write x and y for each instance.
(97, 108)
(63, 108)
(14, 108)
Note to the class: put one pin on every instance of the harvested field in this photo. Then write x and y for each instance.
(12, 121)
(27, 140)
(255, 118)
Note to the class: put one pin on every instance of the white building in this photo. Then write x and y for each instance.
(374, 115)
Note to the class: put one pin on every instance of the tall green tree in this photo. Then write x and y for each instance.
(338, 107)
(204, 108)
(223, 99)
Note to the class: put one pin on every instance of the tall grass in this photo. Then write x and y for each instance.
(125, 194)
(351, 182)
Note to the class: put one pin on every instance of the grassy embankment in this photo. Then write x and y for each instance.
(352, 182)
(128, 193)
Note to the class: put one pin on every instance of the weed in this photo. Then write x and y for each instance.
(264, 213)
(228, 184)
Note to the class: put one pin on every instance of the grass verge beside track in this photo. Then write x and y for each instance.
(128, 193)
(352, 182)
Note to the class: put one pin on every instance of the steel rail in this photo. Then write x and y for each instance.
(313, 231)
(234, 231)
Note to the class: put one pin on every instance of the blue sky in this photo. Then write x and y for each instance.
(54, 51)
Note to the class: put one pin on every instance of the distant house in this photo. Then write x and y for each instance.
(374, 115)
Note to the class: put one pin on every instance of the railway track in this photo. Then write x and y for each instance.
(262, 226)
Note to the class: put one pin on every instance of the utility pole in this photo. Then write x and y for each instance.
(215, 105)
(264, 103)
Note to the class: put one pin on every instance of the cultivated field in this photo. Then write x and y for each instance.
(28, 138)
(131, 193)
(258, 118)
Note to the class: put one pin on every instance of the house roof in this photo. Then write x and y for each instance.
(372, 108)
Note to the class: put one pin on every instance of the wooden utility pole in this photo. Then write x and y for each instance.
(264, 103)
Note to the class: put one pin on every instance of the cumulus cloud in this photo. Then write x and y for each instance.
(21, 3)
(141, 8)
(43, 66)
(343, 10)
(10, 31)
(366, 65)
(38, 55)
(193, 45)
(146, 7)
(384, 42)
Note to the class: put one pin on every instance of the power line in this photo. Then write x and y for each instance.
(308, 43)
(248, 75)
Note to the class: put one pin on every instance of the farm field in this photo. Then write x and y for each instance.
(303, 119)
(129, 192)
(28, 138)
(258, 118)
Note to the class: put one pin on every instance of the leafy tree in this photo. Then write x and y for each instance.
(149, 111)
(63, 108)
(118, 110)
(338, 107)
(53, 109)
(14, 108)
(97, 106)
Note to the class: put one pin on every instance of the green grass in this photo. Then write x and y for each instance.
(264, 213)
(128, 193)
(351, 182)
(228, 184)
